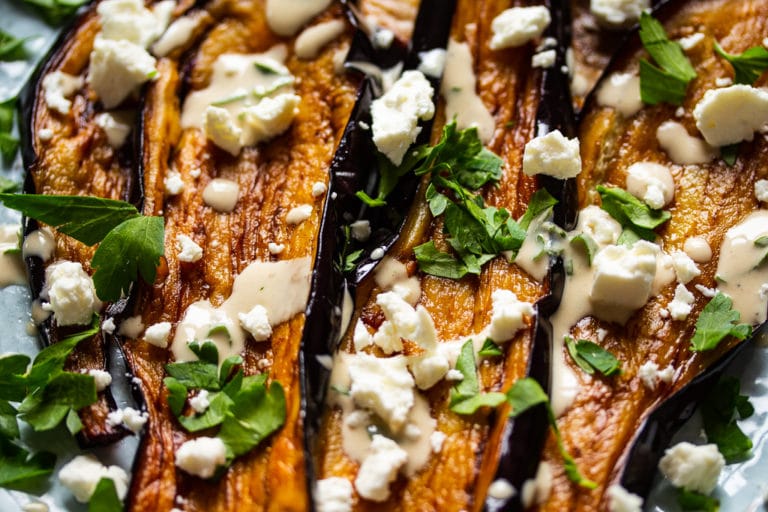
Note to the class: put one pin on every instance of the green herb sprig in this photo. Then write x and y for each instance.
(717, 321)
(720, 411)
(747, 66)
(637, 218)
(8, 143)
(591, 357)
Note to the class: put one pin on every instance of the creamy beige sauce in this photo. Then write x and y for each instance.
(314, 38)
(39, 315)
(698, 249)
(221, 195)
(237, 82)
(390, 274)
(39, 243)
(281, 287)
(740, 276)
(11, 265)
(286, 17)
(347, 309)
(531, 256)
(459, 90)
(621, 91)
(177, 35)
(681, 147)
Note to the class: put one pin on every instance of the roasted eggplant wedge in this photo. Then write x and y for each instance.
(709, 203)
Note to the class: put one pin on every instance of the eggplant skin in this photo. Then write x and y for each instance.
(709, 199)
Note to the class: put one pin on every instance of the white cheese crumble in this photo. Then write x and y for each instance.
(157, 334)
(599, 225)
(131, 21)
(518, 25)
(621, 500)
(652, 183)
(70, 293)
(694, 468)
(268, 118)
(731, 114)
(45, 134)
(188, 250)
(132, 327)
(82, 474)
(275, 249)
(454, 375)
(361, 230)
(501, 489)
(299, 214)
(650, 374)
(383, 38)
(108, 325)
(682, 148)
(689, 42)
(57, 87)
(432, 63)
(116, 126)
(130, 417)
(723, 81)
(200, 402)
(117, 68)
(761, 190)
(436, 440)
(220, 127)
(101, 378)
(382, 385)
(509, 315)
(361, 338)
(552, 154)
(403, 317)
(201, 456)
(380, 467)
(545, 59)
(618, 13)
(397, 112)
(685, 267)
(256, 322)
(173, 183)
(333, 494)
(681, 305)
(318, 189)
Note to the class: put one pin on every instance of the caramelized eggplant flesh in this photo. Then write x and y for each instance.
(709, 198)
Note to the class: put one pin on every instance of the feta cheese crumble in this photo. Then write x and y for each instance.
(685, 268)
(333, 494)
(117, 68)
(57, 87)
(518, 25)
(692, 467)
(256, 322)
(379, 469)
(618, 13)
(200, 402)
(652, 183)
(299, 214)
(157, 334)
(101, 378)
(650, 374)
(545, 59)
(761, 190)
(130, 417)
(70, 294)
(188, 250)
(275, 249)
(383, 386)
(173, 183)
(201, 456)
(681, 305)
(82, 474)
(552, 154)
(116, 126)
(361, 230)
(621, 500)
(432, 63)
(397, 112)
(509, 315)
(731, 114)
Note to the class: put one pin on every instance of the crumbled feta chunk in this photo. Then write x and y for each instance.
(387, 339)
(651, 183)
(598, 225)
(432, 63)
(108, 325)
(545, 59)
(82, 474)
(518, 25)
(552, 154)
(299, 214)
(397, 112)
(681, 305)
(201, 456)
(436, 440)
(101, 378)
(45, 134)
(706, 292)
(685, 267)
(268, 118)
(220, 127)
(401, 314)
(275, 249)
(70, 293)
(380, 467)
(256, 322)
(618, 13)
(382, 385)
(188, 250)
(129, 20)
(454, 375)
(173, 183)
(509, 315)
(650, 374)
(318, 189)
(117, 68)
(361, 230)
(333, 495)
(130, 417)
(731, 114)
(57, 87)
(694, 468)
(761, 190)
(200, 402)
(116, 126)
(622, 280)
(361, 338)
(428, 369)
(621, 91)
(157, 334)
(621, 500)
(689, 42)
(383, 38)
(723, 81)
(501, 489)
(132, 327)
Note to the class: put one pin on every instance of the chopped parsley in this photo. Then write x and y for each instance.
(717, 321)
(130, 244)
(490, 349)
(105, 498)
(19, 469)
(747, 66)
(56, 11)
(591, 357)
(634, 215)
(588, 244)
(347, 256)
(465, 394)
(11, 48)
(692, 500)
(667, 80)
(8, 143)
(722, 408)
(729, 154)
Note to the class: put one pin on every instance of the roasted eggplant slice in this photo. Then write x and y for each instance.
(710, 198)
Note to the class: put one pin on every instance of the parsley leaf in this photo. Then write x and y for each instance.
(668, 81)
(177, 395)
(716, 321)
(692, 500)
(632, 213)
(7, 185)
(84, 218)
(747, 66)
(11, 48)
(195, 374)
(541, 201)
(490, 349)
(132, 248)
(8, 143)
(19, 469)
(588, 243)
(438, 263)
(105, 498)
(13, 379)
(56, 11)
(46, 407)
(9, 427)
(729, 154)
(465, 394)
(722, 407)
(590, 357)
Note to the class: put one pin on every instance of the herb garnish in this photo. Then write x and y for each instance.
(588, 243)
(747, 66)
(245, 407)
(490, 349)
(633, 215)
(667, 81)
(720, 410)
(590, 356)
(465, 394)
(8, 143)
(11, 48)
(105, 498)
(692, 500)
(716, 321)
(56, 11)
(131, 244)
